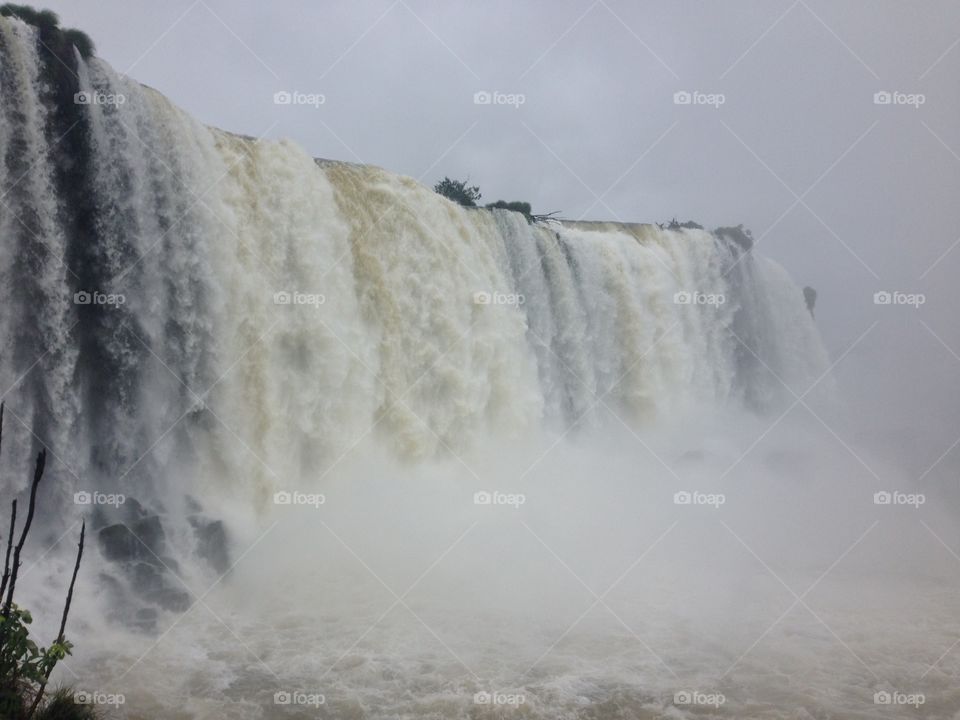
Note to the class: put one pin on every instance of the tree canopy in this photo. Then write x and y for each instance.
(458, 191)
(48, 23)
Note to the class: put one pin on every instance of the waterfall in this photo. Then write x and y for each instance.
(190, 314)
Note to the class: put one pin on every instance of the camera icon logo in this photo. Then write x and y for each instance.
(882, 98)
(882, 498)
(482, 497)
(282, 498)
(282, 98)
(682, 498)
(82, 98)
(683, 297)
(282, 298)
(682, 97)
(482, 698)
(882, 697)
(82, 298)
(684, 697)
(482, 298)
(82, 498)
(82, 697)
(482, 97)
(882, 298)
(282, 697)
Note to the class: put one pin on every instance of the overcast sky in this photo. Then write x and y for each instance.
(853, 197)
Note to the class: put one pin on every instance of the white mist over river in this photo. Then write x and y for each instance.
(386, 457)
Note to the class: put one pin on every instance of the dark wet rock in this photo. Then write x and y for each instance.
(159, 586)
(127, 513)
(133, 510)
(139, 549)
(119, 544)
(142, 541)
(172, 599)
(810, 298)
(147, 579)
(145, 620)
(150, 532)
(212, 542)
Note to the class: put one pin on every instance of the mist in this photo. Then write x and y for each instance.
(386, 456)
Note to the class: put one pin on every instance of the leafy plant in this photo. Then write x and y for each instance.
(25, 667)
(517, 206)
(21, 656)
(674, 224)
(48, 23)
(39, 18)
(458, 191)
(524, 208)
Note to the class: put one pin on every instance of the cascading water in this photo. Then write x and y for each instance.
(199, 321)
(191, 239)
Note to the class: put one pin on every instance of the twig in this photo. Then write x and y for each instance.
(544, 216)
(6, 561)
(63, 621)
(73, 580)
(37, 474)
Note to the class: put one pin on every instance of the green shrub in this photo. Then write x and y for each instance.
(25, 667)
(40, 18)
(675, 225)
(458, 191)
(48, 23)
(519, 206)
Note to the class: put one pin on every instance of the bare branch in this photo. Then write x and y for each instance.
(6, 561)
(37, 475)
(63, 621)
(73, 580)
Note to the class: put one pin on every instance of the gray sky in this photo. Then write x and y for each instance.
(852, 197)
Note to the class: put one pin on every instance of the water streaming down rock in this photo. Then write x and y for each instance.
(190, 314)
